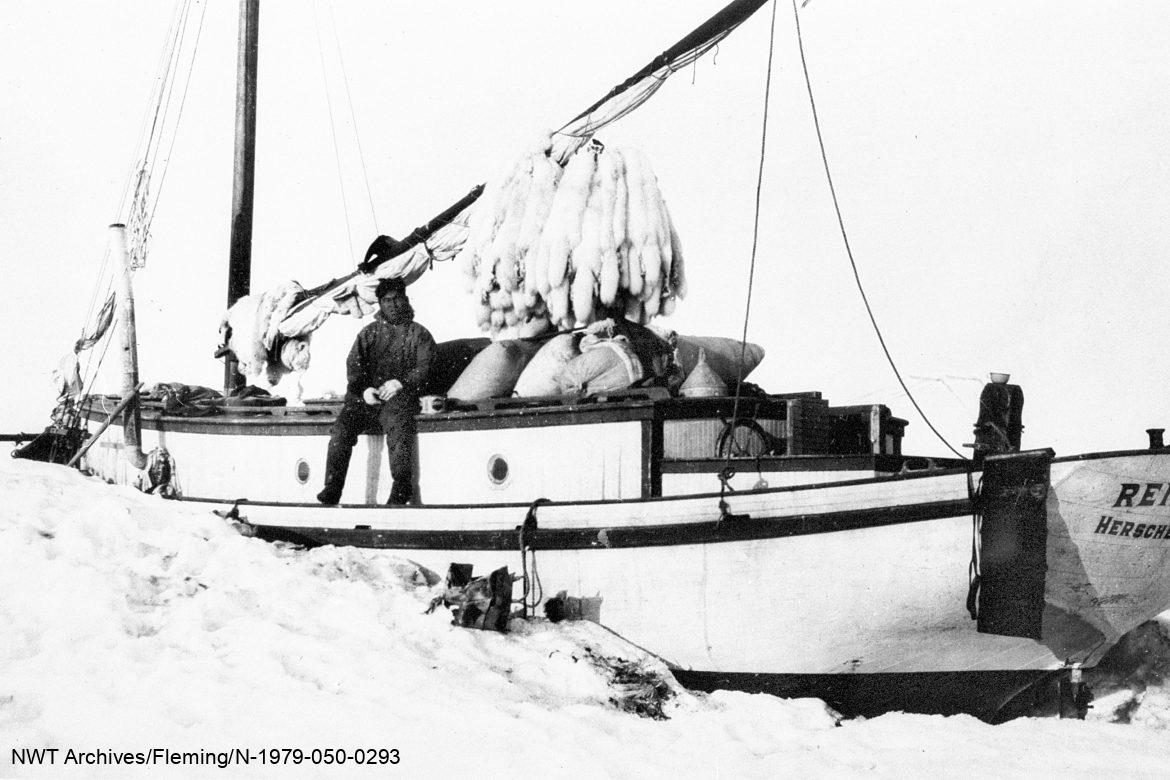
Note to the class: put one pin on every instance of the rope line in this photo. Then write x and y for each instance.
(353, 118)
(723, 487)
(848, 249)
(151, 138)
(149, 116)
(142, 145)
(179, 116)
(333, 131)
(164, 56)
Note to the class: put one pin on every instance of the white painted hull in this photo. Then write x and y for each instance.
(865, 577)
(888, 598)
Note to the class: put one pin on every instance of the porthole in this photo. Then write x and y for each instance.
(497, 469)
(303, 471)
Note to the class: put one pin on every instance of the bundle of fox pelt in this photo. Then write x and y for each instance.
(573, 245)
(251, 331)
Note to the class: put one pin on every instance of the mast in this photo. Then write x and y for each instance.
(244, 175)
(128, 339)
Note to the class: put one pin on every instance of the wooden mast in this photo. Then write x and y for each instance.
(240, 263)
(128, 338)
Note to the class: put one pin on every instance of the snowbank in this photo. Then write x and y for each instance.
(130, 623)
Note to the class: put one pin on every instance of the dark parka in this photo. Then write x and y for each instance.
(382, 351)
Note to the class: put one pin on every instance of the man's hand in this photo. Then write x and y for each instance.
(389, 389)
(370, 396)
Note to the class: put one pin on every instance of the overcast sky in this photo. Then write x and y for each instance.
(1002, 171)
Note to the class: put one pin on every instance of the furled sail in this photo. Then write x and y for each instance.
(641, 86)
(443, 237)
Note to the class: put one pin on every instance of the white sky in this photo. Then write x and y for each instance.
(1001, 168)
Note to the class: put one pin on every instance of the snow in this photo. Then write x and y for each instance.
(130, 623)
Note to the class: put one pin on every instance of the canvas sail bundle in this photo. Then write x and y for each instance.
(251, 331)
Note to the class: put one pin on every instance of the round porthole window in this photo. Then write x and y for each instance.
(303, 471)
(497, 469)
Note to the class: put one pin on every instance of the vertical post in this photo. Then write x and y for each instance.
(128, 338)
(240, 263)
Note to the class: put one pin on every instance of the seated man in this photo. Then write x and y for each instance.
(388, 364)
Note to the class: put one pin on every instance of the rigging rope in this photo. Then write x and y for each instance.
(150, 117)
(164, 58)
(353, 118)
(723, 483)
(153, 130)
(179, 116)
(845, 238)
(333, 132)
(138, 217)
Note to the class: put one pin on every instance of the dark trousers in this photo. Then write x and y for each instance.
(396, 419)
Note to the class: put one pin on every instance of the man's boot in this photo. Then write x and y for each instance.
(336, 466)
(400, 494)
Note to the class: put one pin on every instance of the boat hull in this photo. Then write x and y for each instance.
(859, 582)
(990, 695)
(863, 583)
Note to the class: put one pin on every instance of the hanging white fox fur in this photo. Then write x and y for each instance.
(557, 300)
(480, 230)
(623, 255)
(564, 225)
(653, 259)
(652, 227)
(678, 276)
(536, 269)
(666, 248)
(652, 268)
(500, 300)
(483, 315)
(621, 205)
(636, 227)
(609, 173)
(502, 252)
(546, 174)
(635, 223)
(563, 241)
(488, 214)
(586, 256)
(636, 282)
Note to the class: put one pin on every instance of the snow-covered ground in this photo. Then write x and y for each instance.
(128, 623)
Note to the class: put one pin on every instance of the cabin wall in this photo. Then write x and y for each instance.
(260, 467)
(560, 462)
(509, 451)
